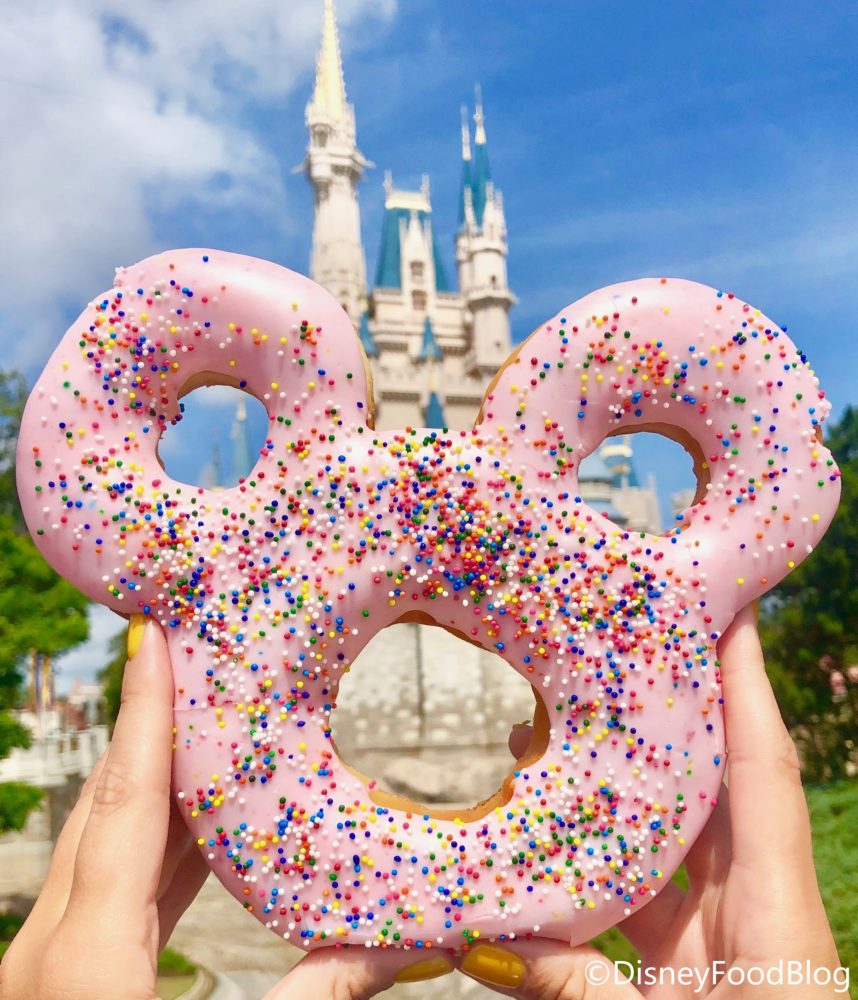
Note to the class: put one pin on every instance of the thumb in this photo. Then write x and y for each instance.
(355, 973)
(533, 970)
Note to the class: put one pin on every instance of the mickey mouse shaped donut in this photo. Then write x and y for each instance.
(269, 590)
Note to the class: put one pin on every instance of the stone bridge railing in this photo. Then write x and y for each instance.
(50, 761)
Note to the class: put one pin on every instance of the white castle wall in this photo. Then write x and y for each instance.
(58, 764)
(455, 749)
(51, 760)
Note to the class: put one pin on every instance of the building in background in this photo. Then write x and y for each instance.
(632, 504)
(434, 344)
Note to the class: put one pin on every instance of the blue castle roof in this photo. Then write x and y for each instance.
(430, 350)
(467, 181)
(481, 176)
(622, 470)
(434, 411)
(476, 172)
(370, 348)
(594, 470)
(389, 271)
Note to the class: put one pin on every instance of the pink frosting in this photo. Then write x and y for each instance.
(269, 589)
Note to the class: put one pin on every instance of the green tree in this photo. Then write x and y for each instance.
(809, 626)
(17, 800)
(13, 395)
(40, 612)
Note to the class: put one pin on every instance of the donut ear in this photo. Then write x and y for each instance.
(88, 472)
(703, 366)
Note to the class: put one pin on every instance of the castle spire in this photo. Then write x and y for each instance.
(465, 192)
(433, 408)
(433, 411)
(242, 460)
(430, 349)
(481, 174)
(479, 117)
(481, 253)
(329, 95)
(334, 165)
(466, 135)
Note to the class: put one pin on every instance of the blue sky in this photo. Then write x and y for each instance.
(716, 145)
(712, 141)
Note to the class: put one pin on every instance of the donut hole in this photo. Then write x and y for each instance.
(645, 477)
(426, 715)
(216, 440)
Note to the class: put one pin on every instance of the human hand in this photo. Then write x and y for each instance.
(125, 868)
(753, 899)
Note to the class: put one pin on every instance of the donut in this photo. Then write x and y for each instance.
(269, 590)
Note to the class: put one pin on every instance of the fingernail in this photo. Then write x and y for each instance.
(494, 965)
(136, 628)
(429, 968)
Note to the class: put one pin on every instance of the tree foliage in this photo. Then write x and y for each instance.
(12, 734)
(810, 630)
(17, 801)
(39, 610)
(13, 395)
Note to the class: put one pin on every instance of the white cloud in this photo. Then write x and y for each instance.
(208, 49)
(741, 245)
(110, 110)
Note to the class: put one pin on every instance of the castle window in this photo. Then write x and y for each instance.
(418, 301)
(494, 281)
(417, 270)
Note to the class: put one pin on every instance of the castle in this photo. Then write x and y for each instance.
(433, 347)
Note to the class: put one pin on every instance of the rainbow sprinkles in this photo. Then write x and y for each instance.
(269, 590)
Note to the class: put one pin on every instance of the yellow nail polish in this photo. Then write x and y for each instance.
(429, 968)
(494, 965)
(136, 625)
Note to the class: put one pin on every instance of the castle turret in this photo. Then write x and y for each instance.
(466, 195)
(334, 165)
(481, 254)
(409, 262)
(432, 356)
(242, 460)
